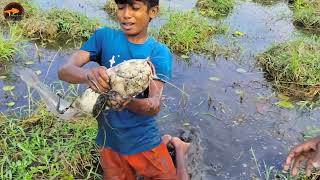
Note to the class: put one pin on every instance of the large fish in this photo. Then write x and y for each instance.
(127, 80)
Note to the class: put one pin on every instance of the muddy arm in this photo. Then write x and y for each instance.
(148, 106)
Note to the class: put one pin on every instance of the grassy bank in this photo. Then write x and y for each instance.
(215, 8)
(54, 25)
(111, 8)
(294, 67)
(9, 44)
(188, 32)
(307, 14)
(42, 147)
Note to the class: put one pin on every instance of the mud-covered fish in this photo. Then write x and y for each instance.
(127, 80)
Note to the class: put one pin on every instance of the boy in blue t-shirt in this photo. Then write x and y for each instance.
(129, 138)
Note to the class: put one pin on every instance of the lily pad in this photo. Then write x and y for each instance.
(29, 62)
(38, 72)
(285, 104)
(184, 56)
(241, 70)
(214, 78)
(11, 104)
(8, 88)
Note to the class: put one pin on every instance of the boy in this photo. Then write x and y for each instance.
(129, 138)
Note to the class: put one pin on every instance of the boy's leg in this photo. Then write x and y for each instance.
(181, 150)
(114, 166)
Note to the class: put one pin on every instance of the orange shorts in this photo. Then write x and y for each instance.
(153, 164)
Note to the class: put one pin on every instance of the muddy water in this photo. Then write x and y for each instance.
(229, 115)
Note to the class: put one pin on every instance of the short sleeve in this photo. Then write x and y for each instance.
(162, 61)
(94, 45)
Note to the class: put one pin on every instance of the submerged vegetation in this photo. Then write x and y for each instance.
(42, 147)
(188, 32)
(295, 67)
(215, 8)
(307, 14)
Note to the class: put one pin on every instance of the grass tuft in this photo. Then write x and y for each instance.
(111, 8)
(307, 14)
(9, 44)
(187, 32)
(294, 67)
(42, 147)
(55, 24)
(215, 8)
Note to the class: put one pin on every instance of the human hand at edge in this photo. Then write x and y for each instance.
(98, 79)
(308, 151)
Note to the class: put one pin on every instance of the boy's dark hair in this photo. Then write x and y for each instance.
(149, 3)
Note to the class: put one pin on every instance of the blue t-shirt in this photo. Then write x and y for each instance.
(127, 132)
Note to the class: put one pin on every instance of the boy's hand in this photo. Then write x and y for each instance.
(308, 151)
(98, 79)
(153, 69)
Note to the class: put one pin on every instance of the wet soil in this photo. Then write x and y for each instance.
(231, 113)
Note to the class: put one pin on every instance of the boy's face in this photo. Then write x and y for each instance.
(135, 19)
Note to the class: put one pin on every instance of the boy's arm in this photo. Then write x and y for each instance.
(148, 106)
(73, 72)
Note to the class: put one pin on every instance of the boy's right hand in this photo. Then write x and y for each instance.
(308, 151)
(98, 79)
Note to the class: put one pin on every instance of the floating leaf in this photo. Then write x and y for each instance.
(238, 33)
(184, 56)
(283, 97)
(11, 104)
(8, 88)
(38, 72)
(186, 124)
(29, 62)
(285, 104)
(214, 78)
(240, 70)
(3, 77)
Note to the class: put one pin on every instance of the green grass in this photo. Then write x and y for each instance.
(187, 32)
(55, 24)
(307, 14)
(9, 42)
(111, 8)
(294, 67)
(43, 147)
(266, 2)
(215, 8)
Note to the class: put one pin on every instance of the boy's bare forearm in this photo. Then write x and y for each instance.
(72, 74)
(147, 106)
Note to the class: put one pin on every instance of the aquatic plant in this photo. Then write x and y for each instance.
(215, 8)
(42, 147)
(111, 8)
(294, 67)
(307, 14)
(186, 31)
